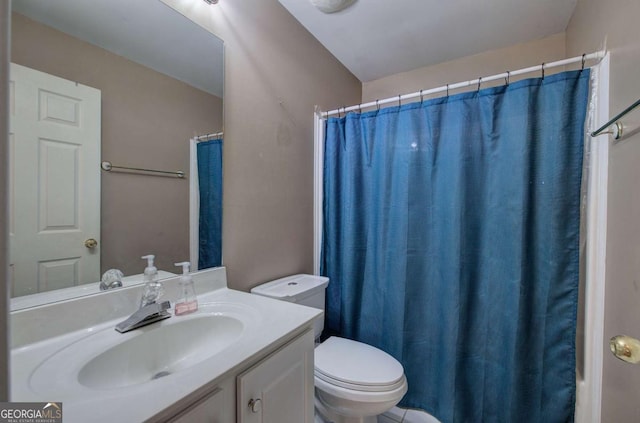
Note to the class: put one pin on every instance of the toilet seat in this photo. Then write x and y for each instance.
(361, 396)
(356, 366)
(359, 387)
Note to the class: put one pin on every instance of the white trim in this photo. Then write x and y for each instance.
(5, 49)
(589, 390)
(318, 163)
(194, 205)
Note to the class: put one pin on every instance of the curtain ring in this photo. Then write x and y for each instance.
(542, 70)
(377, 104)
(479, 82)
(360, 108)
(421, 97)
(584, 59)
(399, 100)
(508, 78)
(447, 90)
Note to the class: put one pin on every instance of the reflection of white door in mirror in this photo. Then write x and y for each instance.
(55, 205)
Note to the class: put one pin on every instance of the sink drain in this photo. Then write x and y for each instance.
(159, 375)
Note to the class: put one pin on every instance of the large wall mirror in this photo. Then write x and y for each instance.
(128, 82)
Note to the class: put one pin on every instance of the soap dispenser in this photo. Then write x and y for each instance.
(187, 303)
(152, 287)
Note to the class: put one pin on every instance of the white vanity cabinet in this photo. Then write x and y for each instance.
(216, 407)
(278, 388)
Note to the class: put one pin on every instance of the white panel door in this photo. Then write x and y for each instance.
(279, 389)
(55, 181)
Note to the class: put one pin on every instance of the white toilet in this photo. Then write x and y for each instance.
(354, 382)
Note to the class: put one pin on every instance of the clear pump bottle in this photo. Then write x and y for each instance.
(153, 289)
(188, 302)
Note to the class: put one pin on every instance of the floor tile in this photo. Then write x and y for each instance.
(416, 416)
(384, 419)
(396, 414)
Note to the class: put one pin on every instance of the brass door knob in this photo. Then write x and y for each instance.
(91, 243)
(625, 348)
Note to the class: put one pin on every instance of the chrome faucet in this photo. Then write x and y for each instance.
(146, 315)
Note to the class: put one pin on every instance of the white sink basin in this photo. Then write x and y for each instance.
(107, 359)
(161, 352)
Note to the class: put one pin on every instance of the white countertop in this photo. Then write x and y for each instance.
(272, 323)
(34, 300)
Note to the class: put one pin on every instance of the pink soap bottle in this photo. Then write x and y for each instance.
(188, 302)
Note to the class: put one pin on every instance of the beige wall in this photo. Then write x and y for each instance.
(147, 120)
(275, 72)
(470, 67)
(616, 23)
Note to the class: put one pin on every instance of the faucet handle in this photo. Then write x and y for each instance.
(155, 307)
(112, 278)
(148, 314)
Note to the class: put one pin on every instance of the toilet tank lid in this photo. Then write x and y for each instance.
(292, 288)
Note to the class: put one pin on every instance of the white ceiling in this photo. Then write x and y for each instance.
(377, 38)
(145, 31)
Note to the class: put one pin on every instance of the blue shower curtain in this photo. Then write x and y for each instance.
(451, 231)
(209, 155)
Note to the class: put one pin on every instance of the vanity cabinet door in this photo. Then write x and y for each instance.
(279, 389)
(217, 407)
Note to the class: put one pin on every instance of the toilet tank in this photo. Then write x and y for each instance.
(308, 290)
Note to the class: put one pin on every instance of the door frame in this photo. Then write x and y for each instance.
(589, 388)
(5, 53)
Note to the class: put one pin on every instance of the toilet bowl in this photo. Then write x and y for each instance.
(354, 382)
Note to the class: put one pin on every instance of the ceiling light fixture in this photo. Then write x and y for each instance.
(332, 6)
(211, 1)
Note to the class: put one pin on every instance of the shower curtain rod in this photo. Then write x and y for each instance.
(207, 137)
(505, 75)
